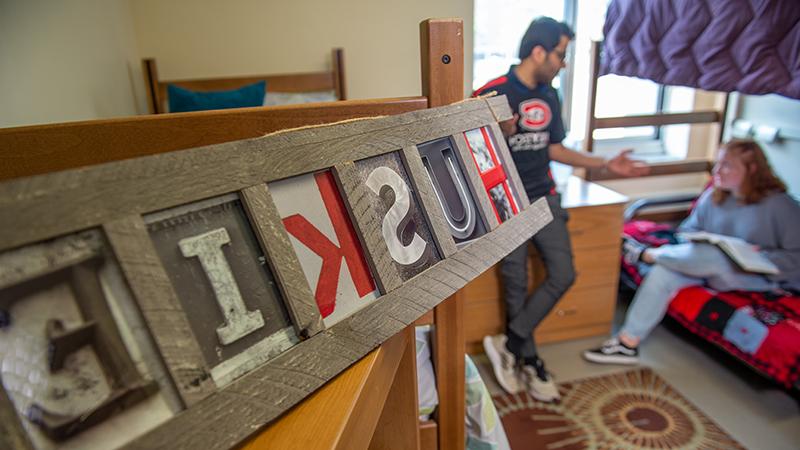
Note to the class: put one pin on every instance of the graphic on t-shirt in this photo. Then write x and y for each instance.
(534, 114)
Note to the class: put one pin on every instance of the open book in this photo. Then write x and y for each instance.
(740, 251)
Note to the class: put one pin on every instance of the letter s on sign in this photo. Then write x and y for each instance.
(384, 176)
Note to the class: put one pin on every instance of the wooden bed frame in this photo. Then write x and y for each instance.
(332, 80)
(374, 402)
(659, 119)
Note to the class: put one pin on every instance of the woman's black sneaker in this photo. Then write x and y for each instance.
(612, 352)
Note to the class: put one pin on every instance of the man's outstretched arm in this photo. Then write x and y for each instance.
(620, 164)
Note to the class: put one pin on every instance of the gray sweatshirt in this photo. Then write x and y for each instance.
(773, 224)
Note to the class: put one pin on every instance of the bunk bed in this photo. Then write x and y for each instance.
(721, 48)
(280, 88)
(372, 403)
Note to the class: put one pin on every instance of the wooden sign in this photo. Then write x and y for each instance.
(195, 296)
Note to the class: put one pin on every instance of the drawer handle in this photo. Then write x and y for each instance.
(566, 312)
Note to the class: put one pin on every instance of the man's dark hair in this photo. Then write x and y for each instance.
(543, 31)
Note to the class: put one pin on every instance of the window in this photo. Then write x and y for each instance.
(499, 26)
(616, 95)
(624, 96)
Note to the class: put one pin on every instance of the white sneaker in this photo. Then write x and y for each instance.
(503, 363)
(540, 384)
(612, 352)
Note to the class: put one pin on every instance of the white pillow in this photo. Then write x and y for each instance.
(293, 98)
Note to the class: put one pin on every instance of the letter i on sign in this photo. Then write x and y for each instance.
(207, 247)
(229, 295)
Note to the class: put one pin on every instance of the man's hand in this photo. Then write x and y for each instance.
(509, 127)
(623, 165)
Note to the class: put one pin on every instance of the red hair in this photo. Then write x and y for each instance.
(760, 180)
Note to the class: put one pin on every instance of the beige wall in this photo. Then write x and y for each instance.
(207, 38)
(80, 59)
(784, 113)
(62, 61)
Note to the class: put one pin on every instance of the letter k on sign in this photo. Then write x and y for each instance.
(331, 253)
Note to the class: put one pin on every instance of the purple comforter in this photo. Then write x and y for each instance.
(750, 46)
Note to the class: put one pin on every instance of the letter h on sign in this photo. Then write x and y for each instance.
(504, 203)
(63, 360)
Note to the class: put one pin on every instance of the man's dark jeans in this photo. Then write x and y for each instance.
(523, 312)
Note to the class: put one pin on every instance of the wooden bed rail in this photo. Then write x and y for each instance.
(442, 64)
(663, 169)
(371, 403)
(39, 149)
(658, 120)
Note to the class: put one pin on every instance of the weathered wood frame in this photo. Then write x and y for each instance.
(114, 196)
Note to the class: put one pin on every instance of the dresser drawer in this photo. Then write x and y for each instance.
(582, 307)
(581, 313)
(587, 309)
(593, 266)
(595, 226)
(597, 266)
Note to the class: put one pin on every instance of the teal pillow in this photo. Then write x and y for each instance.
(183, 100)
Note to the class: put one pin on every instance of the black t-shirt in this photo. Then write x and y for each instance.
(539, 126)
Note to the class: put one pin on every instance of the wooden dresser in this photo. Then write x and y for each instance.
(587, 309)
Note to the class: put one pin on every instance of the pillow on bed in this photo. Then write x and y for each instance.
(293, 98)
(183, 100)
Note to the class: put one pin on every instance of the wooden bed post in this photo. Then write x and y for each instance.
(442, 56)
(594, 69)
(151, 84)
(337, 61)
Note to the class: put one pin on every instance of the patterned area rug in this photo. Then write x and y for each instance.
(630, 410)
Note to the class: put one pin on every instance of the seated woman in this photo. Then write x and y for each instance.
(748, 202)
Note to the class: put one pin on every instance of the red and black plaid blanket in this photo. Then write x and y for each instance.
(760, 328)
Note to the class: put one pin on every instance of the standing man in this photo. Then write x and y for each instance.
(534, 136)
